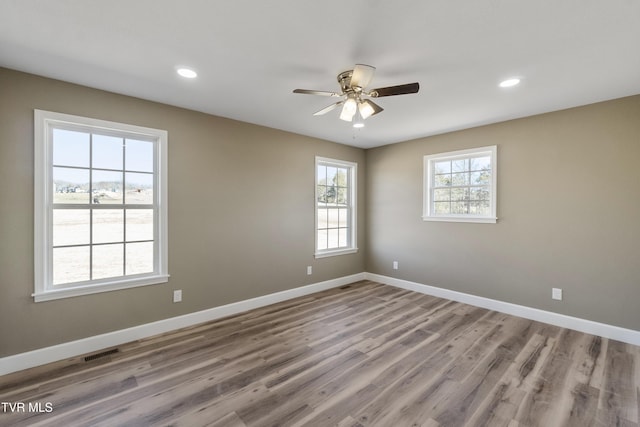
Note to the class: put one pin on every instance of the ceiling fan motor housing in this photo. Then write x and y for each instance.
(344, 78)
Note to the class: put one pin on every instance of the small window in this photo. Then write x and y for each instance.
(335, 207)
(100, 206)
(461, 186)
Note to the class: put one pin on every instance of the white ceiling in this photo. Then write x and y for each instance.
(251, 54)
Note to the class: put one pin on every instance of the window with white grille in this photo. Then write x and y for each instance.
(101, 206)
(461, 186)
(335, 207)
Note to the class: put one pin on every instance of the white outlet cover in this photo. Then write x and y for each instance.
(177, 295)
(556, 293)
(309, 270)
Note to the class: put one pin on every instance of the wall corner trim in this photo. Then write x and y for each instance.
(79, 347)
(617, 333)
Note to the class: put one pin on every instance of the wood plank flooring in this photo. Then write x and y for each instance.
(362, 355)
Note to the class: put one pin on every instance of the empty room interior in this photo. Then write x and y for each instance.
(364, 213)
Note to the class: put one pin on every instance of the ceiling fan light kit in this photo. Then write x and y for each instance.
(358, 121)
(353, 84)
(349, 109)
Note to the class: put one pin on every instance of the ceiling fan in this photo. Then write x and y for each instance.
(353, 84)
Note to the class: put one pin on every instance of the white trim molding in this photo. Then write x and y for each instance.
(70, 349)
(604, 330)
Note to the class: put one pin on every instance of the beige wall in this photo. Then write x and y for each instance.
(241, 214)
(568, 209)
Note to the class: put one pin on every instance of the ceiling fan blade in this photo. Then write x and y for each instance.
(327, 109)
(395, 90)
(362, 75)
(316, 92)
(368, 108)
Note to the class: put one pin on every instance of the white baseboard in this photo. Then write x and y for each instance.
(70, 349)
(629, 336)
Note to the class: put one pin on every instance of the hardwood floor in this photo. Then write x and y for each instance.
(363, 355)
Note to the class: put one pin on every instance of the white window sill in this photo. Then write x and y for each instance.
(53, 294)
(460, 219)
(337, 252)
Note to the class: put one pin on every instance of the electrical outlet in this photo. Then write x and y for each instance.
(309, 270)
(177, 295)
(395, 265)
(556, 293)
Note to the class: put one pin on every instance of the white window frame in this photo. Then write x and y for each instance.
(430, 160)
(44, 123)
(352, 204)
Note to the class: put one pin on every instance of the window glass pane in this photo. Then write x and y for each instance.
(442, 194)
(70, 185)
(480, 193)
(107, 187)
(460, 165)
(70, 148)
(479, 208)
(442, 167)
(442, 180)
(322, 239)
(322, 194)
(459, 208)
(332, 238)
(139, 188)
(441, 208)
(108, 261)
(480, 163)
(139, 224)
(322, 218)
(460, 179)
(139, 156)
(341, 198)
(481, 178)
(333, 218)
(343, 217)
(342, 237)
(331, 175)
(70, 265)
(331, 195)
(460, 194)
(484, 208)
(322, 174)
(139, 258)
(341, 177)
(71, 227)
(108, 225)
(106, 152)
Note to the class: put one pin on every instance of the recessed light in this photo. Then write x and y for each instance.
(509, 82)
(187, 73)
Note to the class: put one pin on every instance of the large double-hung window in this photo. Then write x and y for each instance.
(100, 206)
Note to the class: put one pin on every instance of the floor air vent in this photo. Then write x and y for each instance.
(345, 287)
(101, 354)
